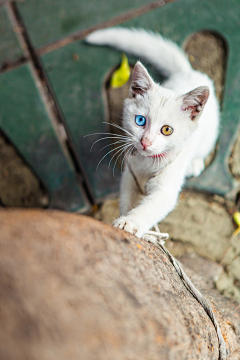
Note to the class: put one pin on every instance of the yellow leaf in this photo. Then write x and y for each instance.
(122, 74)
(236, 217)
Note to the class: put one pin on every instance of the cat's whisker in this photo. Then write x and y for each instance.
(119, 151)
(119, 127)
(116, 142)
(125, 157)
(116, 154)
(117, 159)
(129, 153)
(150, 165)
(105, 133)
(155, 161)
(122, 151)
(121, 146)
(168, 152)
(109, 137)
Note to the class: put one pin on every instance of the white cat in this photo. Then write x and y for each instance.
(172, 127)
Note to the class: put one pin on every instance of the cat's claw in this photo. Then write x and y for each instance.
(153, 239)
(150, 238)
(128, 225)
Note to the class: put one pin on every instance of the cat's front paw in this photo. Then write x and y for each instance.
(123, 222)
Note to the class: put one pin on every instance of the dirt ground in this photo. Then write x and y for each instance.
(200, 224)
(19, 187)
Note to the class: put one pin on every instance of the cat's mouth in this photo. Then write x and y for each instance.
(143, 153)
(157, 155)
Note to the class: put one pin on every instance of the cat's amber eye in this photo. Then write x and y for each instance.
(166, 130)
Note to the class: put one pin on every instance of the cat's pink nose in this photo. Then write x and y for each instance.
(145, 143)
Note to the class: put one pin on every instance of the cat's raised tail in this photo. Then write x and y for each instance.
(162, 53)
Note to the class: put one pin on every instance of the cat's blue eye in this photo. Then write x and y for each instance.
(140, 120)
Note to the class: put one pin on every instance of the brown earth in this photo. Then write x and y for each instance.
(19, 187)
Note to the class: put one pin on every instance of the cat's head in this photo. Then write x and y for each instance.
(160, 120)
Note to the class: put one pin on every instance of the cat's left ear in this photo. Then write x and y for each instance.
(141, 80)
(194, 101)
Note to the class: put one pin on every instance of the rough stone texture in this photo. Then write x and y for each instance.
(74, 288)
(198, 223)
(229, 281)
(201, 222)
(234, 160)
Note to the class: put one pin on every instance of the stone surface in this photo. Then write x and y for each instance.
(229, 281)
(198, 223)
(72, 287)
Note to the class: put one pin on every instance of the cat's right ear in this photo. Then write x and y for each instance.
(194, 101)
(141, 80)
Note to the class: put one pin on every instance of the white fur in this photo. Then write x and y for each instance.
(170, 104)
(163, 54)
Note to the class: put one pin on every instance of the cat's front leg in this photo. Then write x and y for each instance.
(129, 192)
(154, 207)
(150, 211)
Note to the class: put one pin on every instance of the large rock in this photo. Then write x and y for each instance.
(74, 288)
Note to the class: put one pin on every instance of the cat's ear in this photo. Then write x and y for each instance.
(194, 101)
(141, 80)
